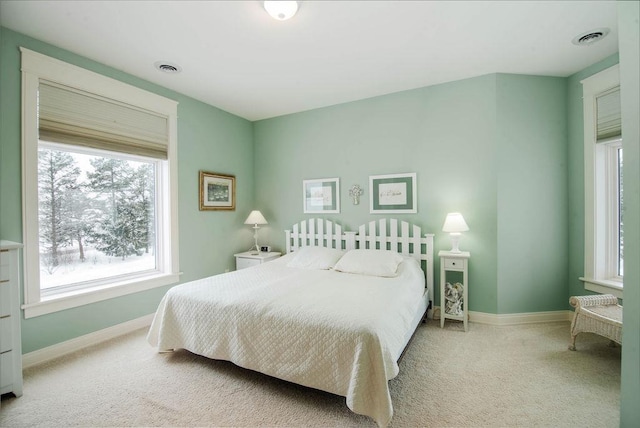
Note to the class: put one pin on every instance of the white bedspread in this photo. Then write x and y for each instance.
(338, 332)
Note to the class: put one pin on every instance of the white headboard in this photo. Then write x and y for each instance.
(386, 234)
(316, 232)
(402, 237)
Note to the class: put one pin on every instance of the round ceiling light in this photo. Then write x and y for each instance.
(167, 67)
(590, 37)
(281, 10)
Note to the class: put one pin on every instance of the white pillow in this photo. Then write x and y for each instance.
(370, 262)
(316, 258)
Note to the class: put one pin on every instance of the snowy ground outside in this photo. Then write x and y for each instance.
(96, 266)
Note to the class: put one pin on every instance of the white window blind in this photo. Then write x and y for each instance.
(72, 116)
(609, 122)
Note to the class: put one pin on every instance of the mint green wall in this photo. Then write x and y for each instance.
(463, 139)
(532, 194)
(209, 139)
(629, 41)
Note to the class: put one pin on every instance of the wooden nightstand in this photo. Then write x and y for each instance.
(247, 259)
(453, 300)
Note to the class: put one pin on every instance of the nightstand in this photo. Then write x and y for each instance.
(454, 295)
(247, 259)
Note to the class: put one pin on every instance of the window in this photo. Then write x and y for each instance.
(99, 187)
(96, 217)
(604, 223)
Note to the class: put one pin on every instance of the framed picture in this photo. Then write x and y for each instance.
(321, 196)
(217, 191)
(393, 194)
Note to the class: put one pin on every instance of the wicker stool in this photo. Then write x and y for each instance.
(599, 314)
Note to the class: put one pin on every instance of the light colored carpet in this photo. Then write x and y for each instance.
(490, 376)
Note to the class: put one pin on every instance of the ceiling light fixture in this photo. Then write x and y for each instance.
(167, 67)
(281, 10)
(590, 37)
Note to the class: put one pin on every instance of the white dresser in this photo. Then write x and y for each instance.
(10, 339)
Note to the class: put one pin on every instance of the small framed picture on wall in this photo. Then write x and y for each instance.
(321, 196)
(393, 194)
(217, 191)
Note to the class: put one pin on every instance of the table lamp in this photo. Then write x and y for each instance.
(255, 218)
(454, 224)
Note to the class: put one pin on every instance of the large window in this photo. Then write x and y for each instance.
(96, 217)
(99, 187)
(604, 220)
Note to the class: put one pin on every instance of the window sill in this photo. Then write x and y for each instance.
(85, 296)
(603, 286)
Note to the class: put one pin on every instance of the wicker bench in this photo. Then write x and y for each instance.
(599, 314)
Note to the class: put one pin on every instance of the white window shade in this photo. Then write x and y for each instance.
(71, 116)
(609, 122)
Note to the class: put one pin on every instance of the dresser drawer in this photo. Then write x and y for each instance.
(5, 266)
(5, 298)
(6, 334)
(5, 257)
(6, 369)
(5, 284)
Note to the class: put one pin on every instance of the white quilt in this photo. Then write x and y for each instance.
(337, 332)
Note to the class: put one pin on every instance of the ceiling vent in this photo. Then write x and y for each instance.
(167, 67)
(590, 37)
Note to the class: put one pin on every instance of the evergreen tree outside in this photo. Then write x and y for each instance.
(82, 217)
(58, 176)
(124, 231)
(142, 188)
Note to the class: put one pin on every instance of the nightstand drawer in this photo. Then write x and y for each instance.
(453, 264)
(242, 263)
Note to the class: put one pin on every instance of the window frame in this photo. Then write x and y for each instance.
(35, 67)
(600, 186)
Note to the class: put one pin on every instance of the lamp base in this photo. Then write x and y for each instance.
(255, 250)
(455, 239)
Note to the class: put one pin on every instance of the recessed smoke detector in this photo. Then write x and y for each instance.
(590, 37)
(167, 67)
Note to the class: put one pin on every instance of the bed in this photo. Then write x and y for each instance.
(294, 318)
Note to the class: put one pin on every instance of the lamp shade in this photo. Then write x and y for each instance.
(454, 223)
(281, 10)
(255, 217)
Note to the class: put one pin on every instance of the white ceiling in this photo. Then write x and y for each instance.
(236, 57)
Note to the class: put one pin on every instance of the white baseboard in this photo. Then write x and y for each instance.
(521, 318)
(63, 348)
(514, 319)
